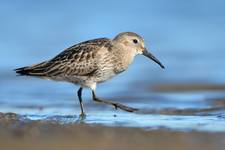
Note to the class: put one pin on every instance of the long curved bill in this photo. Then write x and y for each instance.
(152, 57)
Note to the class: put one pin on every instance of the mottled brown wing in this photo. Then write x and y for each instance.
(78, 60)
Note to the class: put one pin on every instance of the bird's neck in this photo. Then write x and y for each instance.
(124, 58)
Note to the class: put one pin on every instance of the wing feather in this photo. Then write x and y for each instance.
(77, 60)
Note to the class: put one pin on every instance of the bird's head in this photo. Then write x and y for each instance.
(135, 43)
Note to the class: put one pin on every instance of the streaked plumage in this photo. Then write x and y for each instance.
(92, 62)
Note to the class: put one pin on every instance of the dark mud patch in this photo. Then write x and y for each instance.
(186, 112)
(186, 87)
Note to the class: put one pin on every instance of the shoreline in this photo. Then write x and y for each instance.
(42, 134)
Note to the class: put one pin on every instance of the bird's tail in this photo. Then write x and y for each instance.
(34, 70)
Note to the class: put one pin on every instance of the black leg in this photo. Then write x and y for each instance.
(79, 93)
(116, 105)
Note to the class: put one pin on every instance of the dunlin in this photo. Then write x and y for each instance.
(92, 62)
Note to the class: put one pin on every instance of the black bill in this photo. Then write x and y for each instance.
(152, 57)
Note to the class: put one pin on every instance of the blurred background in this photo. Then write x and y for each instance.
(186, 36)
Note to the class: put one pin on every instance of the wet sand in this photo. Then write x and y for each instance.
(23, 134)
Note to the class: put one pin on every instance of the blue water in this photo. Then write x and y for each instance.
(186, 36)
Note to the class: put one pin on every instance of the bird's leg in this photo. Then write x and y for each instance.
(116, 105)
(79, 93)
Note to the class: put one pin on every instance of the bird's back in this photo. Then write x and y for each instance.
(78, 61)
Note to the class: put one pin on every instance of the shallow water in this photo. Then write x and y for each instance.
(202, 110)
(188, 95)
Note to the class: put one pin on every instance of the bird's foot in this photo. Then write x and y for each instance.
(116, 105)
(124, 107)
(82, 117)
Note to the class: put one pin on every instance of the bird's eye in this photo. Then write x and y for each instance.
(135, 41)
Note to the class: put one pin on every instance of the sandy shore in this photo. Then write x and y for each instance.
(16, 133)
